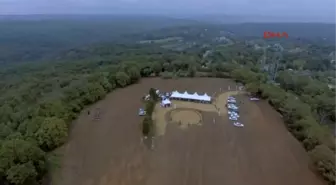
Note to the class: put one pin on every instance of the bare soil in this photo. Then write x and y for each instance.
(109, 151)
(160, 114)
(184, 117)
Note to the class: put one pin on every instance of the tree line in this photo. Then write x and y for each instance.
(147, 123)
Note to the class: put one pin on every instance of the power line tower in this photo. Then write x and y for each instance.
(277, 57)
(263, 60)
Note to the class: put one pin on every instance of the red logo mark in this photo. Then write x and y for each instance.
(268, 34)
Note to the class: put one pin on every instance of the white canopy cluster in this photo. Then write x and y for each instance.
(187, 96)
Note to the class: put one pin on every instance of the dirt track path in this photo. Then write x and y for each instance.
(109, 151)
(221, 100)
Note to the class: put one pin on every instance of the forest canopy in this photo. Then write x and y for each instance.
(33, 38)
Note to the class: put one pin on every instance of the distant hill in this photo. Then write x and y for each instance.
(317, 29)
(40, 37)
(25, 38)
(228, 18)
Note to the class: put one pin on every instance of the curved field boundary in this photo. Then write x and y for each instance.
(169, 114)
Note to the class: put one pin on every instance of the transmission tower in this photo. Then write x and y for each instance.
(264, 57)
(278, 57)
(263, 61)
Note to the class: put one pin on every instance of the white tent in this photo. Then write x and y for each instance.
(194, 96)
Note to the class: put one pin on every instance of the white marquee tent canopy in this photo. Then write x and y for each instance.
(195, 96)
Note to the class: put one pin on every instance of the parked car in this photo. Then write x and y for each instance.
(231, 101)
(237, 124)
(254, 99)
(234, 114)
(142, 112)
(231, 106)
(233, 118)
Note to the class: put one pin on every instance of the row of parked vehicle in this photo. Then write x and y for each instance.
(233, 111)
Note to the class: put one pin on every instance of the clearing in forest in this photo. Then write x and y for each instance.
(110, 150)
(190, 111)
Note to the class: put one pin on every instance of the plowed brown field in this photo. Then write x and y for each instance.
(109, 151)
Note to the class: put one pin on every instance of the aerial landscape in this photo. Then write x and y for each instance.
(210, 153)
(160, 93)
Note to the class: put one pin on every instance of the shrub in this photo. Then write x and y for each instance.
(147, 123)
(324, 160)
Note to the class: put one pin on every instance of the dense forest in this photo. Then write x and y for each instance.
(31, 38)
(39, 99)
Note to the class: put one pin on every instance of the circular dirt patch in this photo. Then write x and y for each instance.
(184, 117)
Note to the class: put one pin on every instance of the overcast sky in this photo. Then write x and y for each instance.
(324, 9)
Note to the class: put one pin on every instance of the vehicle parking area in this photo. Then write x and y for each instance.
(110, 151)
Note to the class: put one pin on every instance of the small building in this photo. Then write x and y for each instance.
(166, 103)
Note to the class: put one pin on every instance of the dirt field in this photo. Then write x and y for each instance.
(184, 117)
(109, 151)
(160, 114)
